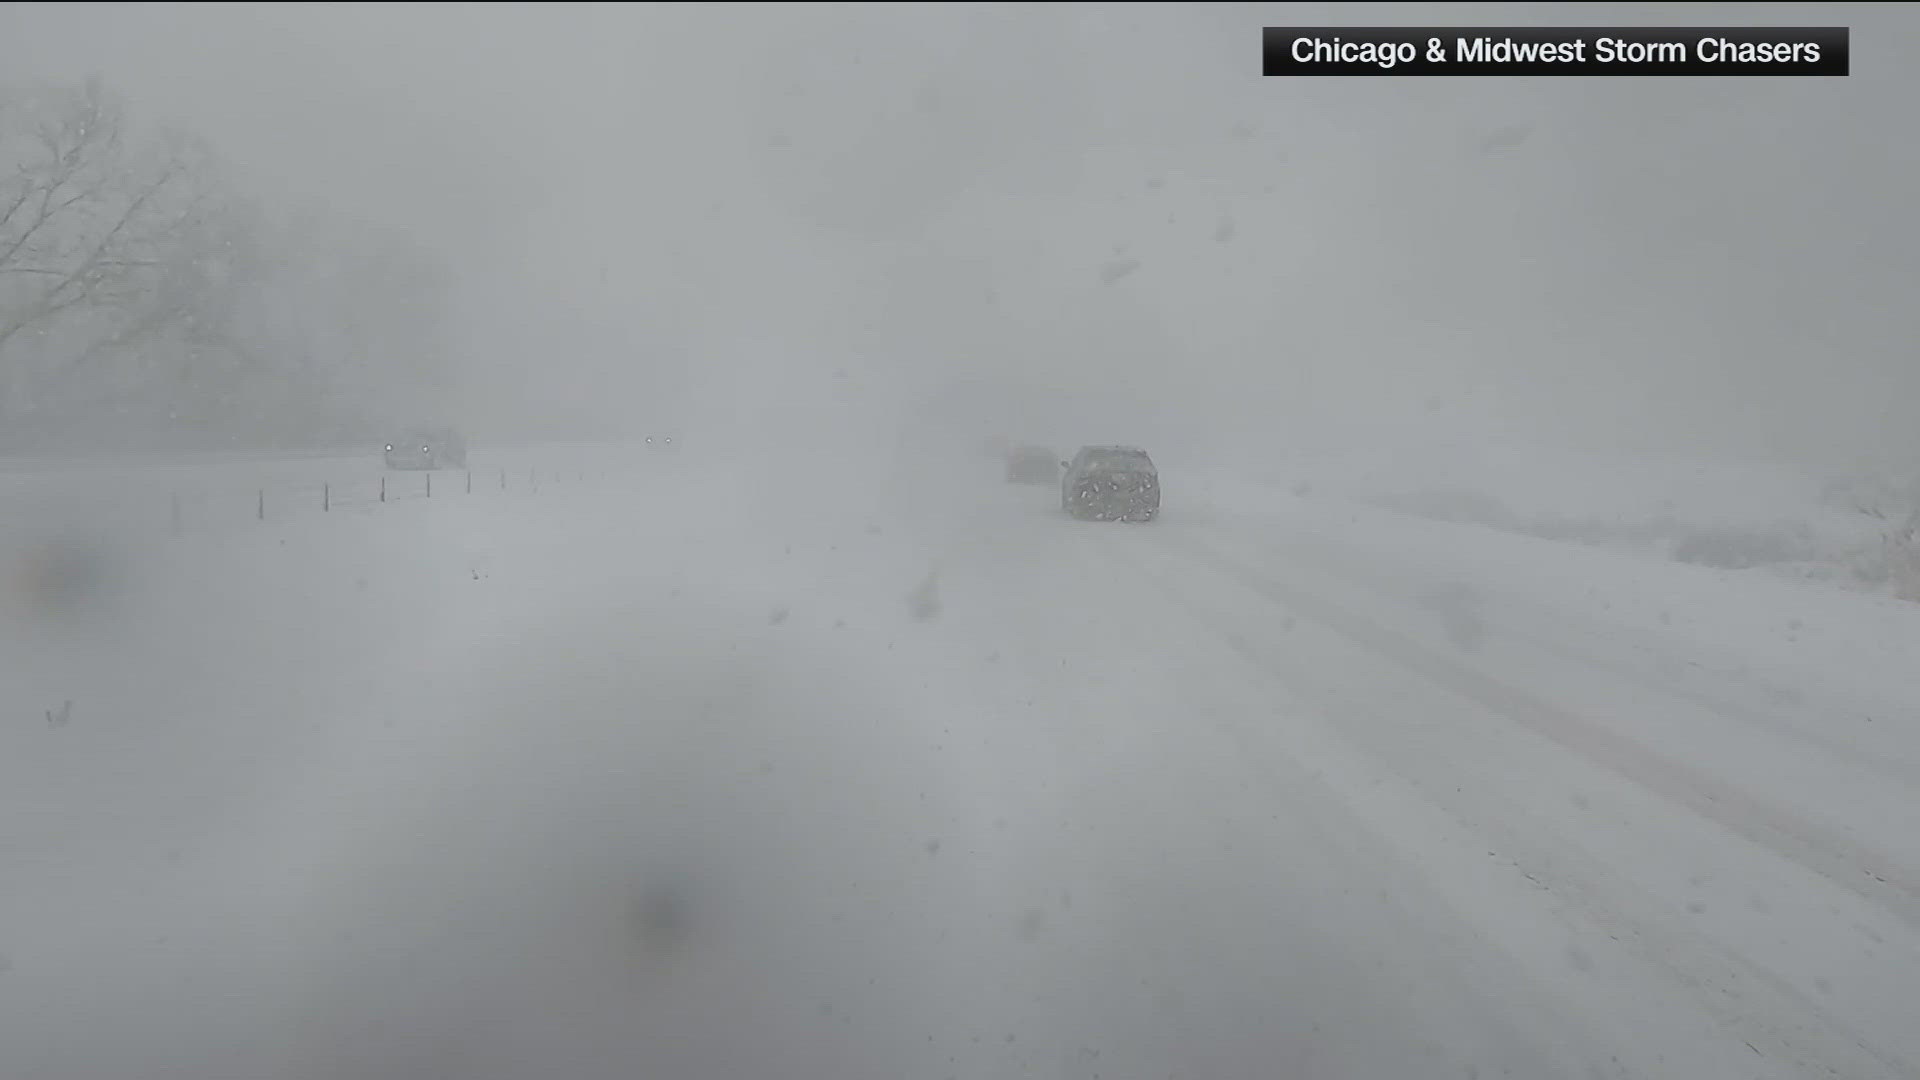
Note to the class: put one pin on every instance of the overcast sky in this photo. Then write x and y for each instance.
(659, 215)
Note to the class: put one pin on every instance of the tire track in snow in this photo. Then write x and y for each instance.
(1585, 642)
(1816, 848)
(1693, 960)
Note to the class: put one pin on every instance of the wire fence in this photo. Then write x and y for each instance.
(193, 508)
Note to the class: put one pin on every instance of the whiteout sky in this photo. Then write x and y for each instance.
(671, 217)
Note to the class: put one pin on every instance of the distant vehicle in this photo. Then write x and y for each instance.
(1032, 465)
(1111, 483)
(436, 448)
(660, 442)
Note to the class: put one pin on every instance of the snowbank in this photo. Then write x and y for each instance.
(1846, 529)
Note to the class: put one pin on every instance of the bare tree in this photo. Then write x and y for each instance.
(91, 228)
(139, 291)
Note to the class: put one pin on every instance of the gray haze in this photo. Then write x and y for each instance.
(655, 214)
(1517, 681)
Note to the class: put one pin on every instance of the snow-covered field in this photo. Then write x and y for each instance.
(1850, 527)
(871, 768)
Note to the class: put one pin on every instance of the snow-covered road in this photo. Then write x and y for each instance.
(774, 768)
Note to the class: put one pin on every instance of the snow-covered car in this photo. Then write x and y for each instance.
(1032, 465)
(1111, 483)
(434, 448)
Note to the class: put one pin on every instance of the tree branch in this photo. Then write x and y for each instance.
(46, 311)
(115, 263)
(63, 164)
(26, 192)
(92, 262)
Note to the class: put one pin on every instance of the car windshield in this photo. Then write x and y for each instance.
(1464, 620)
